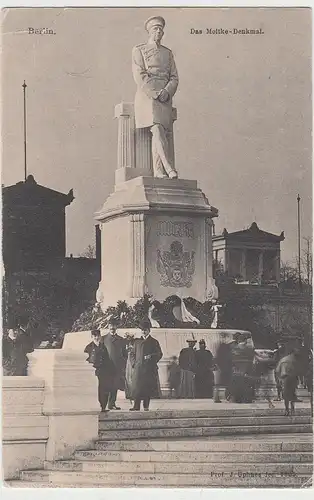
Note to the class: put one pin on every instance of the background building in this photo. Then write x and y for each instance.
(251, 255)
(40, 281)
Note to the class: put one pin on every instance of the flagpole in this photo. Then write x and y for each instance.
(25, 167)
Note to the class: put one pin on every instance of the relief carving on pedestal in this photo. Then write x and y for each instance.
(176, 267)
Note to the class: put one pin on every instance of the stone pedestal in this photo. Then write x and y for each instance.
(156, 237)
(70, 400)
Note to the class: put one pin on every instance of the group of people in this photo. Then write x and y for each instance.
(254, 372)
(130, 365)
(126, 365)
(191, 376)
(244, 372)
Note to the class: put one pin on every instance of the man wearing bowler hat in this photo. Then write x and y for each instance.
(156, 77)
(144, 356)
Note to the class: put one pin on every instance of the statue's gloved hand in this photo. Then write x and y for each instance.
(163, 95)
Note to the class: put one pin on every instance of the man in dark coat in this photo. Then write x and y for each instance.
(144, 357)
(204, 377)
(98, 356)
(15, 347)
(116, 347)
(188, 364)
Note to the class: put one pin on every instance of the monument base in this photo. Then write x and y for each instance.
(156, 238)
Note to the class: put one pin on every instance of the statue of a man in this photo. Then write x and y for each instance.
(156, 76)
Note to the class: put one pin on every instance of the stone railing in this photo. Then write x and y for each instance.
(50, 413)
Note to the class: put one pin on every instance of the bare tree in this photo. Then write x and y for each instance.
(89, 252)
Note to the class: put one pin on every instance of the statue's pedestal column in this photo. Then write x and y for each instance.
(135, 145)
(156, 239)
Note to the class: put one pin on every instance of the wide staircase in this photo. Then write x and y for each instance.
(240, 447)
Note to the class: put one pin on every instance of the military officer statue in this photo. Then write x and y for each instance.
(156, 77)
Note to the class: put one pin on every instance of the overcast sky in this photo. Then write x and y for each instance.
(244, 109)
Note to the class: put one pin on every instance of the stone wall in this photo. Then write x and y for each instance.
(50, 413)
(24, 426)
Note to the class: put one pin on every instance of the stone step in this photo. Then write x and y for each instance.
(202, 431)
(202, 413)
(170, 423)
(186, 456)
(253, 443)
(219, 479)
(148, 467)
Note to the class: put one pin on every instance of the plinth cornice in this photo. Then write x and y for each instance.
(144, 194)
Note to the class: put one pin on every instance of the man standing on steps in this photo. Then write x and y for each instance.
(144, 357)
(156, 77)
(116, 347)
(99, 358)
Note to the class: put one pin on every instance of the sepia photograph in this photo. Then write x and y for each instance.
(157, 247)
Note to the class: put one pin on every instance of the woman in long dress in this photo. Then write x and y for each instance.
(129, 369)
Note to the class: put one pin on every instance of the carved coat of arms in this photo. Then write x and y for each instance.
(176, 267)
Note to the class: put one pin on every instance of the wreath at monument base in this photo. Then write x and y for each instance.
(173, 312)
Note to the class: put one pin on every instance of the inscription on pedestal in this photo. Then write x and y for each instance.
(176, 229)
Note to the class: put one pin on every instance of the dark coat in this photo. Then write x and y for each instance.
(116, 347)
(223, 361)
(204, 360)
(98, 356)
(187, 359)
(145, 381)
(174, 375)
(204, 377)
(14, 355)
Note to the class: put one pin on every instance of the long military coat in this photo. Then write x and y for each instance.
(116, 347)
(154, 69)
(145, 381)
